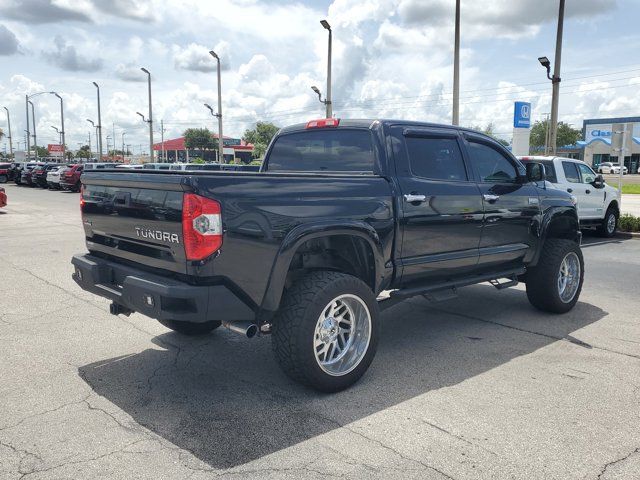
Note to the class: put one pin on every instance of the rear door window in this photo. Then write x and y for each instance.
(323, 150)
(571, 172)
(436, 158)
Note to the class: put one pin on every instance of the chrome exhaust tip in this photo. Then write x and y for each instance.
(247, 329)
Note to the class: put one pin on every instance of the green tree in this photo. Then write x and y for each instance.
(567, 135)
(1, 134)
(42, 151)
(199, 139)
(260, 137)
(83, 152)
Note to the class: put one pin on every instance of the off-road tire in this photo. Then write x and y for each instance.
(603, 231)
(542, 280)
(190, 328)
(295, 323)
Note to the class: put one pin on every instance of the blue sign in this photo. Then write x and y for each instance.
(522, 115)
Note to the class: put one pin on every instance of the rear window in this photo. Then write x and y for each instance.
(323, 150)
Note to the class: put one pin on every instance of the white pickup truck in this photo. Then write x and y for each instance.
(598, 203)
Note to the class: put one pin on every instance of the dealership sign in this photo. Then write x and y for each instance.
(55, 150)
(603, 131)
(522, 115)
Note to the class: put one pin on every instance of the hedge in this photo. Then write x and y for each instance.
(629, 223)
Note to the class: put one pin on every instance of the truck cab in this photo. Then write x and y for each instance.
(598, 204)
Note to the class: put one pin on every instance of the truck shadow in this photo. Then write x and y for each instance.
(224, 399)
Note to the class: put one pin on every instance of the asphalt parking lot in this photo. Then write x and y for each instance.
(481, 387)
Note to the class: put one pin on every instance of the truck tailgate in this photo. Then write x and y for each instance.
(137, 217)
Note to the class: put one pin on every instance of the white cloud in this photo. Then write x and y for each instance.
(198, 59)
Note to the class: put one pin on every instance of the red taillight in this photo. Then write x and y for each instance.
(323, 123)
(201, 226)
(81, 197)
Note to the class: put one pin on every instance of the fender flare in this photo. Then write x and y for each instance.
(553, 214)
(308, 231)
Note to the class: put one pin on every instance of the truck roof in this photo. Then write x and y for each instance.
(370, 122)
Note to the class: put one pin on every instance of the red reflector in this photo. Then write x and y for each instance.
(201, 226)
(324, 122)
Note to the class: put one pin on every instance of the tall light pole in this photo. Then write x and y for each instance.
(327, 101)
(123, 133)
(96, 128)
(58, 132)
(28, 141)
(33, 119)
(220, 157)
(9, 128)
(99, 124)
(150, 121)
(555, 80)
(219, 114)
(62, 133)
(456, 69)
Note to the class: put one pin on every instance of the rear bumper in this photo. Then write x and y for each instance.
(156, 296)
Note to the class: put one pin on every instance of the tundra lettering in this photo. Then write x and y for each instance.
(157, 235)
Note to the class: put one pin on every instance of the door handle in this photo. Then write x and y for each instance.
(413, 198)
(570, 190)
(490, 198)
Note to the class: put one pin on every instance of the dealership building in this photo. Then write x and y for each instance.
(596, 144)
(235, 150)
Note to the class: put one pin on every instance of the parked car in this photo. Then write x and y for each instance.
(3, 197)
(598, 203)
(156, 166)
(70, 177)
(39, 174)
(53, 177)
(26, 176)
(341, 211)
(609, 168)
(4, 172)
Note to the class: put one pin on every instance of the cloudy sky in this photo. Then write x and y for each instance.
(392, 58)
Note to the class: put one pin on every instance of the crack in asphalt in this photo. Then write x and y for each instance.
(615, 462)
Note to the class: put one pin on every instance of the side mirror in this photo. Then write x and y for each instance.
(535, 172)
(598, 182)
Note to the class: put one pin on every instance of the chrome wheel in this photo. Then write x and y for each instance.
(569, 277)
(342, 335)
(611, 223)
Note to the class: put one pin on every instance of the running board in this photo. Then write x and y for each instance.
(446, 290)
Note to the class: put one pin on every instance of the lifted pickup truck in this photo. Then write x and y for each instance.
(341, 211)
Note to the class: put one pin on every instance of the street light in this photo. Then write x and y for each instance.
(62, 133)
(9, 128)
(220, 158)
(58, 132)
(96, 128)
(150, 121)
(455, 114)
(555, 80)
(33, 119)
(123, 133)
(219, 114)
(327, 101)
(99, 125)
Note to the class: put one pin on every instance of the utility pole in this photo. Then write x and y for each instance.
(150, 121)
(555, 81)
(219, 114)
(162, 139)
(546, 135)
(9, 128)
(326, 25)
(33, 119)
(113, 126)
(99, 125)
(123, 133)
(456, 69)
(62, 132)
(28, 142)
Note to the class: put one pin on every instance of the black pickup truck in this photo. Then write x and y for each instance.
(341, 211)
